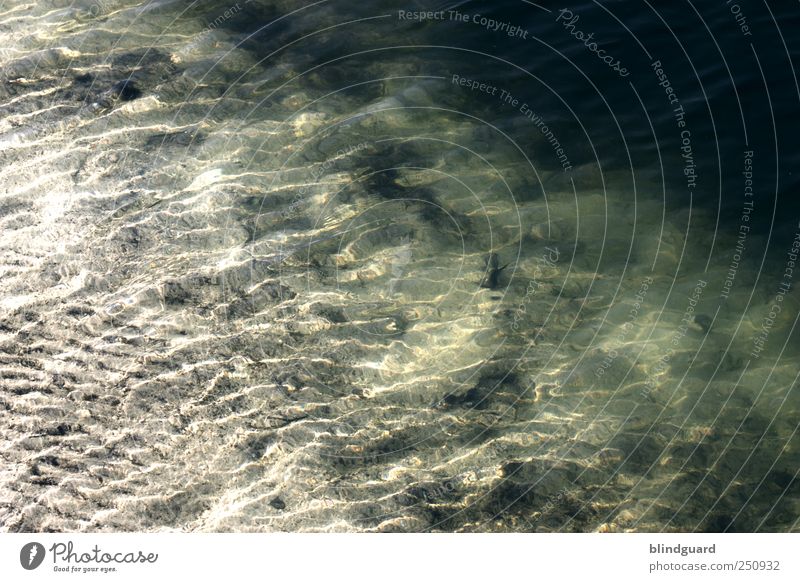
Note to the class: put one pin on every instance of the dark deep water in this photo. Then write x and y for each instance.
(275, 266)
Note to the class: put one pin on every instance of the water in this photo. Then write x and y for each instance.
(269, 266)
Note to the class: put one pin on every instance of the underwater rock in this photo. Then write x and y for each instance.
(493, 269)
(125, 90)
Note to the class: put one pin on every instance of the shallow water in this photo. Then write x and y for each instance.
(251, 290)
